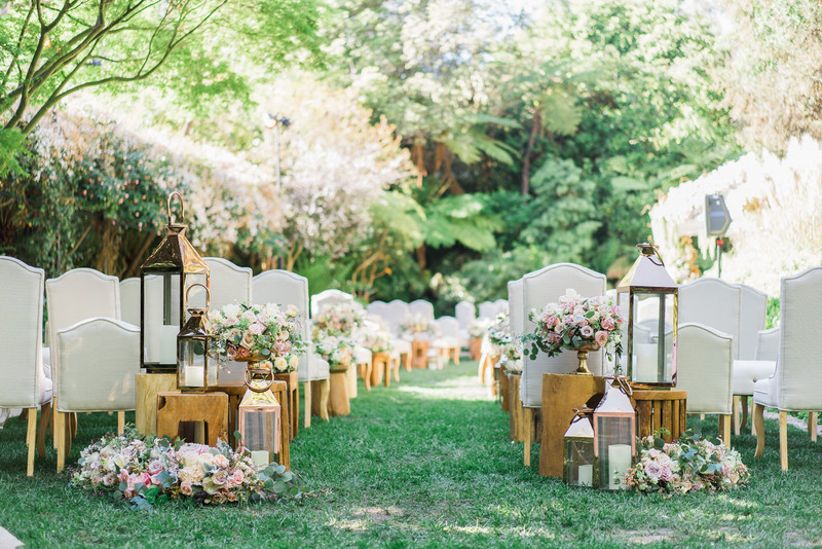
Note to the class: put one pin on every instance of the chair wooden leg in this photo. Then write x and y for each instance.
(72, 426)
(307, 404)
(68, 436)
(121, 422)
(54, 422)
(397, 371)
(31, 440)
(812, 418)
(759, 421)
(783, 440)
(60, 435)
(325, 391)
(743, 400)
(529, 431)
(725, 420)
(45, 421)
(737, 414)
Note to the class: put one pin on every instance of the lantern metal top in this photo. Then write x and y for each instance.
(175, 253)
(580, 428)
(615, 399)
(647, 272)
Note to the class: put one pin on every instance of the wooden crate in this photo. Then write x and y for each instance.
(147, 386)
(516, 421)
(419, 353)
(292, 402)
(660, 408)
(561, 393)
(504, 390)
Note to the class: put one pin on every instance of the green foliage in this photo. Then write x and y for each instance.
(460, 219)
(12, 145)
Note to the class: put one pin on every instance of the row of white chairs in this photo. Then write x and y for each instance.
(724, 355)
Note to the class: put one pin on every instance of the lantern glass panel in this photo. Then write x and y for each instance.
(259, 425)
(651, 351)
(614, 440)
(579, 461)
(194, 363)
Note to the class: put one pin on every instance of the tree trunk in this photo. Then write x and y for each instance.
(526, 157)
(421, 260)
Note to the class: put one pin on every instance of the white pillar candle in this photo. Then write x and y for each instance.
(260, 458)
(645, 361)
(585, 475)
(168, 344)
(194, 376)
(619, 461)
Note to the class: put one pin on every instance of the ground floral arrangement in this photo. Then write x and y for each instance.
(338, 351)
(149, 470)
(499, 332)
(340, 320)
(258, 333)
(574, 323)
(691, 464)
(378, 340)
(417, 325)
(478, 327)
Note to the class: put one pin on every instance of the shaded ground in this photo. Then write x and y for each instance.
(423, 463)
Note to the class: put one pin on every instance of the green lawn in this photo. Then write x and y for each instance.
(425, 463)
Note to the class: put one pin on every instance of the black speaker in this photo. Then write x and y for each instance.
(717, 216)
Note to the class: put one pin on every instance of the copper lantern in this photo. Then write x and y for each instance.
(260, 426)
(650, 299)
(578, 445)
(614, 435)
(170, 270)
(196, 369)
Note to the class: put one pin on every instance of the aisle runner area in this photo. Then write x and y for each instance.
(423, 462)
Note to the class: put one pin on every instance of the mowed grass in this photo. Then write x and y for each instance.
(426, 463)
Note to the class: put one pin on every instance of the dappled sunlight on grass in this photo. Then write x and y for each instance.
(455, 388)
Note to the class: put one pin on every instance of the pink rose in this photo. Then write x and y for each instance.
(237, 477)
(586, 331)
(608, 323)
(256, 329)
(123, 476)
(282, 348)
(154, 467)
(185, 488)
(219, 477)
(653, 470)
(601, 338)
(146, 479)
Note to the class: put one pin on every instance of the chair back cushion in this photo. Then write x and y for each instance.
(448, 327)
(422, 308)
(283, 288)
(799, 370)
(230, 283)
(487, 310)
(377, 308)
(130, 301)
(465, 313)
(767, 345)
(328, 298)
(99, 358)
(395, 314)
(704, 362)
(543, 287)
(752, 307)
(21, 333)
(518, 316)
(502, 306)
(77, 295)
(713, 303)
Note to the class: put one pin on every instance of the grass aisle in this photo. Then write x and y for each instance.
(423, 463)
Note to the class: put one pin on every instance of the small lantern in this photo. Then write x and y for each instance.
(169, 271)
(651, 299)
(260, 427)
(614, 435)
(196, 370)
(579, 450)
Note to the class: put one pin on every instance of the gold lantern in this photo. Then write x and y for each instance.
(650, 298)
(260, 425)
(614, 435)
(579, 450)
(196, 370)
(172, 268)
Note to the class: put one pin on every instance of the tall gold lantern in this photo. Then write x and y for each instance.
(650, 297)
(165, 277)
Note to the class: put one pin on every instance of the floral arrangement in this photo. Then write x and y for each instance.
(477, 328)
(418, 325)
(499, 332)
(149, 470)
(574, 323)
(379, 341)
(689, 465)
(511, 358)
(258, 332)
(337, 350)
(340, 320)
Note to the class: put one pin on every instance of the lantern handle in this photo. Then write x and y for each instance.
(626, 388)
(651, 251)
(168, 206)
(582, 412)
(203, 286)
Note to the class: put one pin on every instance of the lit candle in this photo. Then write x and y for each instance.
(619, 461)
(585, 475)
(168, 344)
(194, 376)
(260, 458)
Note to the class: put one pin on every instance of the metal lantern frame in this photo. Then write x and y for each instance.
(175, 255)
(616, 404)
(196, 329)
(578, 441)
(649, 277)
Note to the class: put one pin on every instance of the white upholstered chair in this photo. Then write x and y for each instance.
(795, 383)
(465, 313)
(23, 383)
(501, 305)
(704, 364)
(229, 283)
(487, 310)
(422, 308)
(287, 288)
(538, 289)
(130, 300)
(377, 308)
(449, 341)
(329, 298)
(396, 313)
(76, 297)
